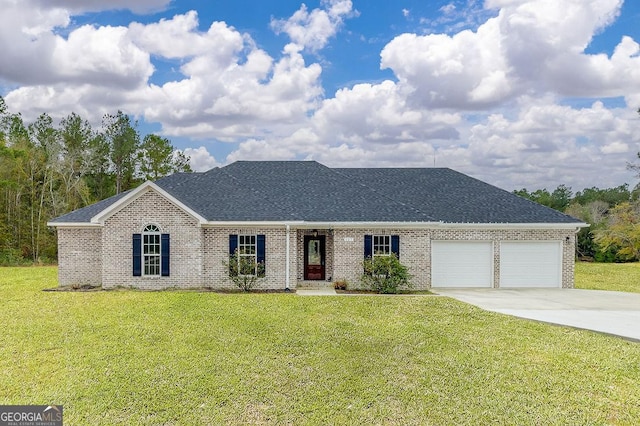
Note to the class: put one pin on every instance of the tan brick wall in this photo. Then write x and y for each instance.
(216, 254)
(349, 254)
(79, 256)
(186, 244)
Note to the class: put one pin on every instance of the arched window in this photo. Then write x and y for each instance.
(151, 250)
(151, 253)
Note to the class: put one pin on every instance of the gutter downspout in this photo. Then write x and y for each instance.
(287, 260)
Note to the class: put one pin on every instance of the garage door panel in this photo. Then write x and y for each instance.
(461, 264)
(530, 264)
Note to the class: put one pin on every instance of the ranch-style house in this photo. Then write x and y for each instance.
(303, 222)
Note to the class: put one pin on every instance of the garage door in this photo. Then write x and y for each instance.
(461, 264)
(530, 264)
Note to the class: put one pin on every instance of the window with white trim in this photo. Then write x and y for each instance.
(247, 255)
(381, 245)
(151, 254)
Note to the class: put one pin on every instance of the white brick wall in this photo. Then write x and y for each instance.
(79, 256)
(104, 256)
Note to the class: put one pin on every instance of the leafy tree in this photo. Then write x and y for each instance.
(611, 196)
(157, 158)
(123, 139)
(595, 214)
(46, 171)
(622, 233)
(100, 181)
(76, 162)
(43, 152)
(559, 199)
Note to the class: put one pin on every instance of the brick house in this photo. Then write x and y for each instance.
(309, 223)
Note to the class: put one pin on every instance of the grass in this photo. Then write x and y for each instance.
(130, 357)
(608, 276)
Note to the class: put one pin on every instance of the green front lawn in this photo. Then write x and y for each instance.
(608, 276)
(130, 357)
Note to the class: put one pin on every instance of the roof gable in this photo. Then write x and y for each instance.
(96, 214)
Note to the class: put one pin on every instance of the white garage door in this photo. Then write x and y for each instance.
(530, 264)
(461, 264)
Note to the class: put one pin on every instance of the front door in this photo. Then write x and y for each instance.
(314, 257)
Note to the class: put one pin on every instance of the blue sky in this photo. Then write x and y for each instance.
(520, 93)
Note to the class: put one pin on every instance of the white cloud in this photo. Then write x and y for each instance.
(231, 89)
(379, 114)
(34, 54)
(178, 37)
(312, 30)
(81, 6)
(200, 159)
(551, 144)
(531, 46)
(447, 9)
(615, 148)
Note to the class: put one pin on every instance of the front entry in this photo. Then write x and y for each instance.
(314, 264)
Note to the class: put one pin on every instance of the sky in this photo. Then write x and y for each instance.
(519, 93)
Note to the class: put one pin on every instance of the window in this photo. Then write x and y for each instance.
(247, 255)
(151, 250)
(151, 253)
(381, 245)
(247, 260)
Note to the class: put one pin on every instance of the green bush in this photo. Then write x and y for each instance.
(12, 257)
(244, 272)
(385, 274)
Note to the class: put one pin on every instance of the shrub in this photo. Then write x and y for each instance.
(385, 274)
(244, 272)
(12, 257)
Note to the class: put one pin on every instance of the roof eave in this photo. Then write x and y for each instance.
(535, 225)
(392, 225)
(74, 225)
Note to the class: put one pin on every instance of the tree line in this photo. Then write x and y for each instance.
(613, 215)
(47, 170)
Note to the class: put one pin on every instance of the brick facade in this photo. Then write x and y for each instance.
(186, 244)
(79, 256)
(103, 256)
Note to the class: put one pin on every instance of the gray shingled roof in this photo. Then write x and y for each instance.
(309, 191)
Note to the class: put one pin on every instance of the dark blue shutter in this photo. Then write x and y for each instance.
(261, 251)
(137, 255)
(368, 246)
(165, 259)
(233, 244)
(395, 245)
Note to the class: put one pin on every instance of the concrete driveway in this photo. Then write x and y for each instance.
(608, 312)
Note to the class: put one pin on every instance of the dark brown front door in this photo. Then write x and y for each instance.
(314, 257)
